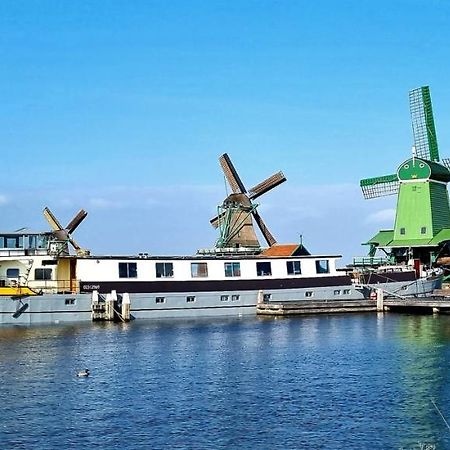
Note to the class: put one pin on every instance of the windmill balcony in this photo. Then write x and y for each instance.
(370, 261)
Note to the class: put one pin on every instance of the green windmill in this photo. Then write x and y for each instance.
(422, 221)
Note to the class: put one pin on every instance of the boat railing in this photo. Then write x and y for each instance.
(17, 252)
(370, 261)
(47, 286)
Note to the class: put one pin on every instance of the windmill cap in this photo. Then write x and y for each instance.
(421, 169)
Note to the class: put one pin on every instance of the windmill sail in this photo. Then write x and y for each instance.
(379, 186)
(231, 175)
(424, 131)
(264, 230)
(267, 185)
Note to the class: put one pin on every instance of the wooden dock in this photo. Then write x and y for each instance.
(316, 307)
(421, 305)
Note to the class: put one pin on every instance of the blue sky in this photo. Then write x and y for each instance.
(123, 108)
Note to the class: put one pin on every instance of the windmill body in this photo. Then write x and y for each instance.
(422, 205)
(422, 221)
(237, 214)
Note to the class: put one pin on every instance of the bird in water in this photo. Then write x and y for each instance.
(83, 373)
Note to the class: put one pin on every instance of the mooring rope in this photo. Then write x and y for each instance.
(438, 410)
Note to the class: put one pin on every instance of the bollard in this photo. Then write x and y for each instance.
(126, 307)
(260, 296)
(109, 307)
(380, 298)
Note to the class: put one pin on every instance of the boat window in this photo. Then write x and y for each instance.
(294, 267)
(199, 270)
(346, 291)
(160, 300)
(232, 269)
(69, 301)
(423, 230)
(2, 242)
(12, 273)
(322, 266)
(263, 269)
(43, 274)
(12, 242)
(224, 298)
(164, 270)
(337, 292)
(267, 297)
(190, 299)
(127, 270)
(402, 231)
(235, 298)
(309, 293)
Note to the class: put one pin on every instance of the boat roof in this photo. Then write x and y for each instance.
(194, 257)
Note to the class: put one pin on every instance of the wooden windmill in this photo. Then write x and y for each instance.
(64, 235)
(235, 216)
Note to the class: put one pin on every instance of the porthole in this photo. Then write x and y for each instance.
(421, 165)
(406, 166)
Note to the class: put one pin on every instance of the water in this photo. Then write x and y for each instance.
(328, 382)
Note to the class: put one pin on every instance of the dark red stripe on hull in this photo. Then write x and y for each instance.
(388, 277)
(212, 286)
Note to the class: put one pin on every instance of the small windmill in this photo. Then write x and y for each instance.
(236, 214)
(422, 221)
(64, 235)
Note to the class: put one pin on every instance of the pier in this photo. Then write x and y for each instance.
(433, 304)
(316, 307)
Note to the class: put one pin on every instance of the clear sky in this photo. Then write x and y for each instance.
(123, 108)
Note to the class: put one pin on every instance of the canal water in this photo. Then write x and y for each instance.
(328, 382)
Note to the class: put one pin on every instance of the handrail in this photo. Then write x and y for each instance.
(44, 285)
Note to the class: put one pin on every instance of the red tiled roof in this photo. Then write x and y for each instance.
(280, 250)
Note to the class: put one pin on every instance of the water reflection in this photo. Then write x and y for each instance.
(342, 381)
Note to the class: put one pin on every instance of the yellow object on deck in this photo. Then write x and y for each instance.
(15, 291)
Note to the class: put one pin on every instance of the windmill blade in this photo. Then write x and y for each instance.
(52, 220)
(379, 186)
(231, 175)
(423, 127)
(264, 230)
(74, 244)
(215, 221)
(267, 185)
(446, 162)
(73, 225)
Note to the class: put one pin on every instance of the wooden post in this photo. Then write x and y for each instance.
(380, 298)
(126, 306)
(260, 296)
(109, 307)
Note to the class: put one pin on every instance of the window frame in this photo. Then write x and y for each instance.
(13, 276)
(294, 272)
(133, 273)
(320, 269)
(165, 273)
(199, 274)
(261, 273)
(235, 269)
(46, 274)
